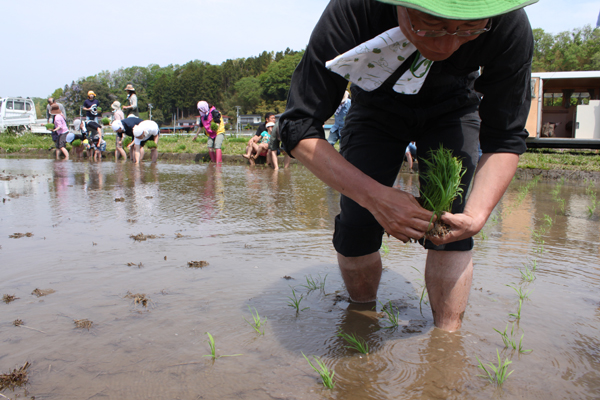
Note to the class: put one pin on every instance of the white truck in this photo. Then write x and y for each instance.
(17, 112)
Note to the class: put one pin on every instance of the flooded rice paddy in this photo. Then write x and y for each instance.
(114, 274)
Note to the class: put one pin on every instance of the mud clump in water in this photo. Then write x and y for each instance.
(149, 197)
(20, 235)
(140, 237)
(130, 264)
(16, 378)
(179, 235)
(197, 264)
(83, 323)
(287, 277)
(44, 292)
(7, 298)
(139, 298)
(119, 199)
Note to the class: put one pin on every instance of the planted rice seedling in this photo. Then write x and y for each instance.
(295, 301)
(423, 291)
(528, 275)
(509, 342)
(257, 321)
(384, 248)
(325, 373)
(315, 283)
(392, 314)
(517, 315)
(213, 349)
(355, 342)
(496, 373)
(442, 175)
(522, 294)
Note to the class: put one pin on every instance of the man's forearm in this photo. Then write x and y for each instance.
(492, 177)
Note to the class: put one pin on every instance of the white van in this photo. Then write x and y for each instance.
(17, 112)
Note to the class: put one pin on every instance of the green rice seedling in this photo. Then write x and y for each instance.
(151, 144)
(126, 141)
(482, 235)
(213, 351)
(496, 374)
(49, 126)
(508, 341)
(295, 301)
(325, 373)
(423, 291)
(393, 315)
(385, 248)
(527, 274)
(522, 295)
(315, 283)
(521, 349)
(548, 220)
(517, 315)
(257, 321)
(105, 121)
(442, 177)
(355, 342)
(76, 143)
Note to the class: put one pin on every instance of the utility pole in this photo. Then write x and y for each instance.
(237, 121)
(150, 110)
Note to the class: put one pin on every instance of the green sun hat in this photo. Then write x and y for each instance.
(463, 9)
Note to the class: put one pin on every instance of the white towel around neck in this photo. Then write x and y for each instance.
(369, 64)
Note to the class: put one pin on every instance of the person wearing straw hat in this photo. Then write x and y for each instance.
(117, 116)
(144, 132)
(415, 72)
(59, 133)
(90, 106)
(132, 108)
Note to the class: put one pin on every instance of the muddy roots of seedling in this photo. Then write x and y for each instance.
(83, 323)
(18, 322)
(140, 237)
(7, 298)
(139, 298)
(197, 264)
(42, 292)
(16, 378)
(20, 235)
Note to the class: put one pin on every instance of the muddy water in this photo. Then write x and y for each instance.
(253, 227)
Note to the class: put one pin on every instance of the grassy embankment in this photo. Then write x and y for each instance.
(576, 160)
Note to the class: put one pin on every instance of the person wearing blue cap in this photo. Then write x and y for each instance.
(415, 69)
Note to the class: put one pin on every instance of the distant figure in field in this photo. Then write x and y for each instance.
(90, 106)
(117, 116)
(214, 127)
(132, 108)
(59, 133)
(335, 133)
(125, 127)
(62, 109)
(144, 132)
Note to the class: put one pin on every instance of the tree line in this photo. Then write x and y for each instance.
(260, 84)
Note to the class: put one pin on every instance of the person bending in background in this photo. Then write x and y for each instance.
(117, 116)
(214, 127)
(143, 132)
(124, 127)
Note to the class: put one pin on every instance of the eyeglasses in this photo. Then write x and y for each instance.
(443, 32)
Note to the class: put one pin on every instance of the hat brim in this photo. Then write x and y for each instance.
(463, 9)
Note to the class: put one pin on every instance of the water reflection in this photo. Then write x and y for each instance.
(253, 227)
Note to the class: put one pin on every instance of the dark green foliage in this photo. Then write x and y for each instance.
(50, 126)
(76, 143)
(105, 121)
(126, 141)
(441, 175)
(575, 50)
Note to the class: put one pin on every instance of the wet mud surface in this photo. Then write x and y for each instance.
(127, 318)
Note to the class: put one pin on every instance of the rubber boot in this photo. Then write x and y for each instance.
(211, 153)
(219, 156)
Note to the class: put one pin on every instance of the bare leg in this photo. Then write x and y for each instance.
(286, 161)
(154, 154)
(65, 152)
(274, 160)
(448, 275)
(361, 276)
(409, 161)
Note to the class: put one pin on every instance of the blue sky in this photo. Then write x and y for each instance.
(47, 44)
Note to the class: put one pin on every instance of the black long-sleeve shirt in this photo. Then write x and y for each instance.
(505, 53)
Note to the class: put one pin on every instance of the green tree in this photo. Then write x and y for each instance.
(275, 81)
(248, 93)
